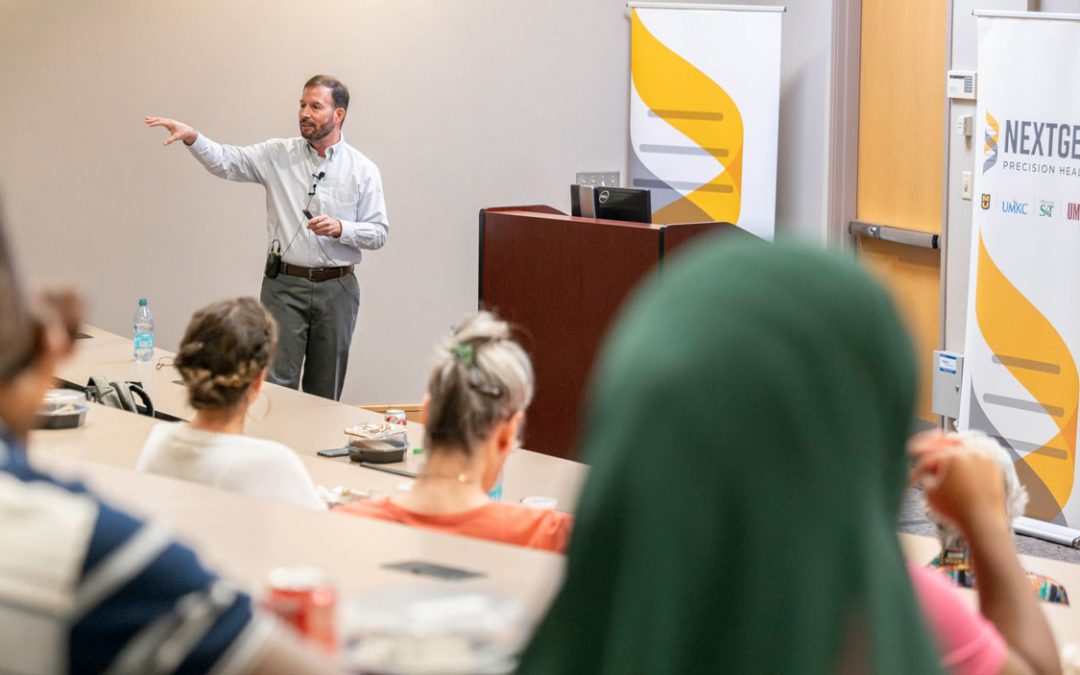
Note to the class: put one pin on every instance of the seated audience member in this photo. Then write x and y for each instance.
(223, 359)
(474, 410)
(955, 558)
(964, 484)
(746, 434)
(85, 588)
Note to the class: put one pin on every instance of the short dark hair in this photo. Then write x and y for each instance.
(338, 90)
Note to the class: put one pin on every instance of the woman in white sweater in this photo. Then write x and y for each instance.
(224, 357)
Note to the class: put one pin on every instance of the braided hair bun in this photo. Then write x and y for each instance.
(226, 346)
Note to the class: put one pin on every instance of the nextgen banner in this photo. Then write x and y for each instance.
(1046, 140)
(704, 113)
(1023, 324)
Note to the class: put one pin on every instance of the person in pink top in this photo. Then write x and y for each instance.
(1010, 636)
(474, 410)
(969, 643)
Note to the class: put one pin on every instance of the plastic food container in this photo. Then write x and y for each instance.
(377, 443)
(61, 409)
(425, 628)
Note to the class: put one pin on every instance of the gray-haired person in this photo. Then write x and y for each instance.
(324, 206)
(474, 410)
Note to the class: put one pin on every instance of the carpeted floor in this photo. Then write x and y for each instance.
(912, 520)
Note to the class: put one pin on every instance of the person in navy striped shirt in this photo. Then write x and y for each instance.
(84, 587)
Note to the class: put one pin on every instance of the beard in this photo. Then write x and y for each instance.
(316, 132)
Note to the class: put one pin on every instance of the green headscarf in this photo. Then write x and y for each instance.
(746, 432)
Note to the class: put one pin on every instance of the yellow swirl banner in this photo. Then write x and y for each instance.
(689, 135)
(1027, 344)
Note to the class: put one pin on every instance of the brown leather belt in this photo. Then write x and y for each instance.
(316, 273)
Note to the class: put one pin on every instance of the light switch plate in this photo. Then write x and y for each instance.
(964, 126)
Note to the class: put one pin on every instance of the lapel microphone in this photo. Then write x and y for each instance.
(318, 177)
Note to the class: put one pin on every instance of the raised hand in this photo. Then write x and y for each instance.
(178, 131)
(961, 485)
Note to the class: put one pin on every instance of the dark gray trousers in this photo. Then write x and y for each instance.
(315, 327)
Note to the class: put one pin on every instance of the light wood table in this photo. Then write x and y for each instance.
(111, 355)
(116, 438)
(244, 538)
(1064, 621)
(304, 422)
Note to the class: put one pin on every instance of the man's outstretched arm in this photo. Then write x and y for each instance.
(240, 163)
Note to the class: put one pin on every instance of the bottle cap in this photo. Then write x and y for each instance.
(142, 302)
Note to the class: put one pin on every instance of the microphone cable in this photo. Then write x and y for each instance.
(318, 238)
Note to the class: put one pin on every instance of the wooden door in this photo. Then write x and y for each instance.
(901, 159)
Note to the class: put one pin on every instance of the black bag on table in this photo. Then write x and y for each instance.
(120, 395)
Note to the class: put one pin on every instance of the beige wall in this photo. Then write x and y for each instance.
(461, 103)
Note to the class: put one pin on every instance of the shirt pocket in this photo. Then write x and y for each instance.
(345, 201)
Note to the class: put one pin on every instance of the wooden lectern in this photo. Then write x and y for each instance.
(559, 280)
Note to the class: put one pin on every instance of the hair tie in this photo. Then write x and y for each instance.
(465, 354)
(489, 390)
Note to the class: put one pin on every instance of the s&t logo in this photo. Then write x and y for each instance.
(1015, 208)
(985, 203)
(1046, 208)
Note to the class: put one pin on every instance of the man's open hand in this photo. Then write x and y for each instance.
(178, 131)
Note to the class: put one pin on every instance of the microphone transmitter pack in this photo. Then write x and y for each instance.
(273, 261)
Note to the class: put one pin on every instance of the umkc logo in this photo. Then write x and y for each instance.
(1016, 208)
(990, 145)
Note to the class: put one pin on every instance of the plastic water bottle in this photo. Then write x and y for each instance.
(144, 332)
(495, 494)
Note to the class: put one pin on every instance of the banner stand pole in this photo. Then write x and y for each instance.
(1058, 534)
(635, 4)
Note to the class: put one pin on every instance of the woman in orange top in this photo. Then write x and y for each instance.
(474, 409)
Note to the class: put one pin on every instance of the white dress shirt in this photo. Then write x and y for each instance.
(350, 191)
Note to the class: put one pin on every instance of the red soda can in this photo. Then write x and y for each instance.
(303, 598)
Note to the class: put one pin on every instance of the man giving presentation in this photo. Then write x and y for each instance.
(324, 206)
